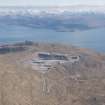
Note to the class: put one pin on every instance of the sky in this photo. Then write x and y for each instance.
(50, 2)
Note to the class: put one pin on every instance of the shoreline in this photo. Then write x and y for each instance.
(24, 46)
(28, 43)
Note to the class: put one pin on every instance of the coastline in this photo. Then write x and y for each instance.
(28, 43)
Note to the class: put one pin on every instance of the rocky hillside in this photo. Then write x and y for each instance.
(81, 83)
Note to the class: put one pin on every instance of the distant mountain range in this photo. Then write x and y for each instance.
(55, 10)
(65, 18)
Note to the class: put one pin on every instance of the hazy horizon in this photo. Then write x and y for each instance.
(50, 3)
(51, 6)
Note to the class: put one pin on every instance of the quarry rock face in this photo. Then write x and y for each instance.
(79, 83)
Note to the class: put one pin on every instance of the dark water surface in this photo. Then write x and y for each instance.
(94, 39)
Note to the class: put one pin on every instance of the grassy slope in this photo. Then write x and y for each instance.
(80, 84)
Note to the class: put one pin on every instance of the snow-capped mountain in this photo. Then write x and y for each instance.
(50, 10)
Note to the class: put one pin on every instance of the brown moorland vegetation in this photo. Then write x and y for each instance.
(82, 83)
